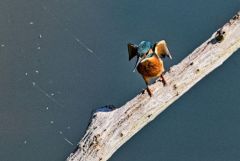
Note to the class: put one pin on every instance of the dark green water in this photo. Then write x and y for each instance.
(59, 60)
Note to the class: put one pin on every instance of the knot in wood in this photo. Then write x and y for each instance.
(220, 35)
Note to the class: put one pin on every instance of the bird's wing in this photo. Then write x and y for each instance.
(161, 49)
(132, 50)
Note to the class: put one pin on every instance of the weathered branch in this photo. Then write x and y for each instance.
(112, 127)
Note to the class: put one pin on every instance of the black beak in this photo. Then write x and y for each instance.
(137, 62)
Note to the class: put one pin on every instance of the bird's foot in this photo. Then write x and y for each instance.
(164, 82)
(148, 91)
(161, 79)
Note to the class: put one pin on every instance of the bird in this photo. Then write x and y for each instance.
(149, 60)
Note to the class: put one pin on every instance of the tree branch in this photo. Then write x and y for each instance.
(111, 127)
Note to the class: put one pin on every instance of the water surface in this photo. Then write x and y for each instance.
(61, 59)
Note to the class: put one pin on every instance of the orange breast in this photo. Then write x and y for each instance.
(151, 67)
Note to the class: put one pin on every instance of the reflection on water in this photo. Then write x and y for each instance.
(59, 60)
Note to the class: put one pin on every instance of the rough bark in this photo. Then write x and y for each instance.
(111, 127)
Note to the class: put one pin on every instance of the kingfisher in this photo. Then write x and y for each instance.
(149, 60)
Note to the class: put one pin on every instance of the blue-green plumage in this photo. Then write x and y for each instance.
(144, 47)
(149, 63)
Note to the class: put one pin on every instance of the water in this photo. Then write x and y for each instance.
(59, 60)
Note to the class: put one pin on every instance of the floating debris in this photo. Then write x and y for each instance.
(47, 108)
(40, 36)
(52, 94)
(37, 71)
(60, 132)
(68, 141)
(51, 122)
(26, 74)
(25, 142)
(90, 50)
(31, 23)
(2, 45)
(39, 48)
(47, 95)
(84, 45)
